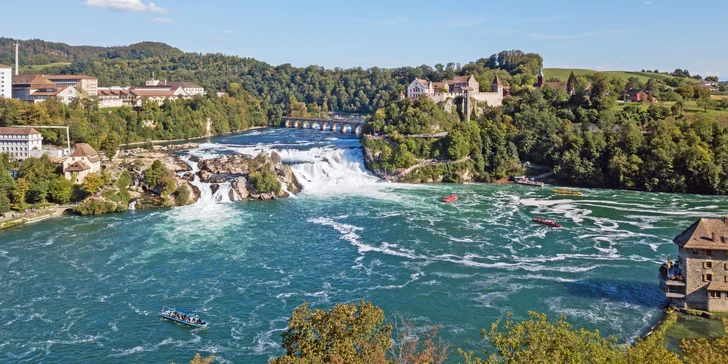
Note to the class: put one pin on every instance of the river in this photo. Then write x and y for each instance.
(89, 288)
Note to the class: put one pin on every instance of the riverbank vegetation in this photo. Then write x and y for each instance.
(360, 333)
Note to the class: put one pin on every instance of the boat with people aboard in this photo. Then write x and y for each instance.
(546, 222)
(523, 180)
(566, 191)
(450, 199)
(182, 317)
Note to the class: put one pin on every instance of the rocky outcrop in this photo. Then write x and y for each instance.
(236, 168)
(233, 164)
(240, 186)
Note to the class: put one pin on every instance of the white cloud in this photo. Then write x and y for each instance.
(648, 2)
(124, 5)
(229, 32)
(162, 20)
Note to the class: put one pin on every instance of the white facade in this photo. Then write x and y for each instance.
(6, 81)
(419, 87)
(21, 143)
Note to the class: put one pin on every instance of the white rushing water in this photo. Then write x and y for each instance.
(319, 170)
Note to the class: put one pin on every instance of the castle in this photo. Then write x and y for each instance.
(465, 87)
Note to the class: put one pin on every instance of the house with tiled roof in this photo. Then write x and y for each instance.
(38, 88)
(699, 277)
(81, 162)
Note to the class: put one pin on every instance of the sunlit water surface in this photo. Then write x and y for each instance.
(89, 288)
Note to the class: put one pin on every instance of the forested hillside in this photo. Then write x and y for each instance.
(38, 52)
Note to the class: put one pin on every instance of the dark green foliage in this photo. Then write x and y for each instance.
(60, 190)
(155, 173)
(4, 203)
(265, 180)
(93, 206)
(182, 195)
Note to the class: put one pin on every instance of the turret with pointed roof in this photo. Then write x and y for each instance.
(541, 80)
(497, 85)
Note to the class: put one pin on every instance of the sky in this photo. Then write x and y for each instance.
(601, 35)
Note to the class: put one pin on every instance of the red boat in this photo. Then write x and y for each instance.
(543, 221)
(450, 198)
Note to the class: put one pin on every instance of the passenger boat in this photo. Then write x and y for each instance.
(182, 317)
(449, 199)
(527, 182)
(543, 221)
(565, 191)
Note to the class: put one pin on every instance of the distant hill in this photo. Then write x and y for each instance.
(563, 74)
(39, 52)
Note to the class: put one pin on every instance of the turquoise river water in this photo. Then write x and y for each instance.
(89, 288)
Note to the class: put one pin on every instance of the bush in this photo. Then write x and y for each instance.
(265, 181)
(95, 206)
(182, 195)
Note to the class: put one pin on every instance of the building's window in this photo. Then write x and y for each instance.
(707, 277)
(714, 294)
(708, 253)
(708, 265)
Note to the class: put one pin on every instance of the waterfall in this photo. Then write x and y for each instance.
(321, 169)
(223, 193)
(132, 205)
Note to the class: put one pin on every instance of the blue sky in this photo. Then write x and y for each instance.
(602, 35)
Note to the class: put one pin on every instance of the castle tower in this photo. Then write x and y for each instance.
(541, 80)
(497, 86)
(466, 103)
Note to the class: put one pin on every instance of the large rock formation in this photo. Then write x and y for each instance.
(236, 168)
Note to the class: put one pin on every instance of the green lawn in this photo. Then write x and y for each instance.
(563, 74)
(40, 67)
(690, 110)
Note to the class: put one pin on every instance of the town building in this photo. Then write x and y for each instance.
(699, 277)
(6, 81)
(84, 84)
(114, 97)
(639, 96)
(38, 88)
(21, 142)
(81, 162)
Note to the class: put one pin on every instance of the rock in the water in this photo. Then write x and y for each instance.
(239, 185)
(214, 187)
(289, 179)
(189, 176)
(205, 176)
(276, 161)
(232, 164)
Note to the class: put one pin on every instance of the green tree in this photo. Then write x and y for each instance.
(92, 183)
(538, 340)
(155, 173)
(348, 333)
(60, 190)
(21, 188)
(265, 180)
(4, 203)
(704, 102)
(109, 146)
(724, 103)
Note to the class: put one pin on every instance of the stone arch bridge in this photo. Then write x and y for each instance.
(347, 126)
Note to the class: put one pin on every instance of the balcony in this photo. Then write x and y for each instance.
(672, 281)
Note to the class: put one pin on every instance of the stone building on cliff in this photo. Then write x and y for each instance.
(699, 277)
(465, 90)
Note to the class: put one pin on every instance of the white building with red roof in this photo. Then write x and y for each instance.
(81, 162)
